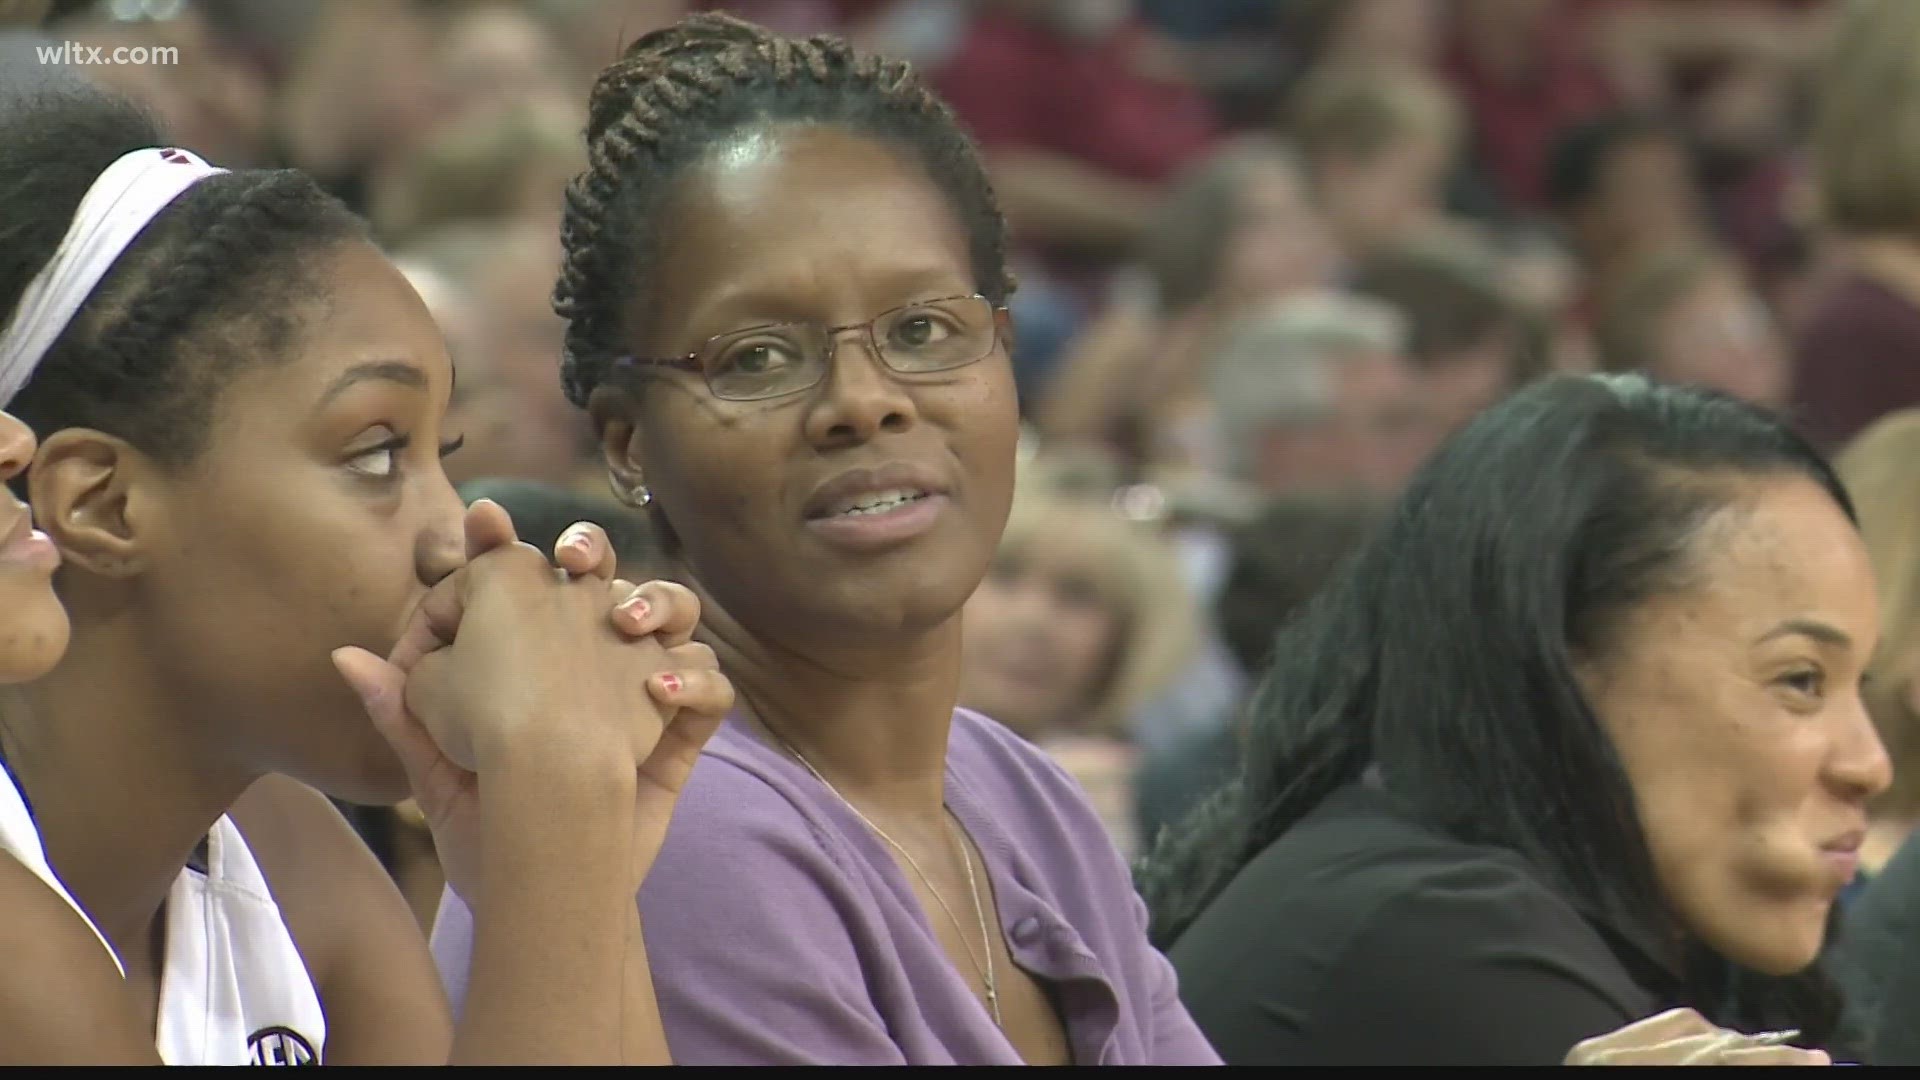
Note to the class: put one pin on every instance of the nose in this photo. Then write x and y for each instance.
(441, 547)
(1859, 767)
(16, 447)
(860, 399)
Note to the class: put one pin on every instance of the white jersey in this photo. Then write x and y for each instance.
(235, 990)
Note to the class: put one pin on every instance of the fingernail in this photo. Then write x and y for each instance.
(670, 683)
(1776, 1038)
(580, 540)
(635, 605)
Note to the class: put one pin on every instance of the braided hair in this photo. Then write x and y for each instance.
(681, 94)
(211, 283)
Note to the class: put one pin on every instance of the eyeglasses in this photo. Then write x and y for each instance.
(786, 358)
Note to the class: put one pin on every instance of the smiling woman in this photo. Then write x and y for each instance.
(785, 285)
(1576, 737)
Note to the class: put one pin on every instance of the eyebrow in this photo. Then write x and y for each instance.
(393, 371)
(1812, 628)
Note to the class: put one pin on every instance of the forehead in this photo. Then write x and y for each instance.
(1783, 551)
(366, 312)
(811, 216)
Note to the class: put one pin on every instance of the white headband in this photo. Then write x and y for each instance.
(120, 203)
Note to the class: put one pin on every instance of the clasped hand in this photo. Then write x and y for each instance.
(510, 660)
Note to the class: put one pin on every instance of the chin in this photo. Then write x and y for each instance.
(33, 637)
(1781, 947)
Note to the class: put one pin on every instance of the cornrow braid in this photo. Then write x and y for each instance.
(210, 284)
(682, 93)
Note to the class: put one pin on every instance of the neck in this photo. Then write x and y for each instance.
(121, 789)
(871, 716)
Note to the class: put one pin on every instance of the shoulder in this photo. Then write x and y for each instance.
(62, 1000)
(1356, 918)
(317, 867)
(742, 829)
(1350, 873)
(309, 853)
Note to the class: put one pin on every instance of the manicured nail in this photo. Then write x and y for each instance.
(580, 540)
(635, 605)
(670, 683)
(1775, 1038)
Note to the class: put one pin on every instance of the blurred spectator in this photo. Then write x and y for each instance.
(594, 32)
(1315, 393)
(1524, 70)
(359, 94)
(1466, 337)
(1279, 561)
(1388, 33)
(1378, 142)
(493, 54)
(1687, 315)
(510, 163)
(1082, 113)
(1236, 230)
(1080, 620)
(1622, 186)
(1858, 355)
(507, 400)
(213, 98)
(1882, 472)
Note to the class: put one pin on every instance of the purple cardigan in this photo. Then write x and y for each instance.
(782, 932)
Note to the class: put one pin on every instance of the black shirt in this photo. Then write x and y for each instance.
(1361, 938)
(1877, 960)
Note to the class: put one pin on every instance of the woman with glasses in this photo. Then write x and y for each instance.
(786, 292)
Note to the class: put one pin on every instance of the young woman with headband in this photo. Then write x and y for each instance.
(238, 403)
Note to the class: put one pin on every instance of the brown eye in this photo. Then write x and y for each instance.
(1808, 681)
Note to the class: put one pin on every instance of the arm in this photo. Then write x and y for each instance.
(1060, 202)
(62, 1001)
(748, 935)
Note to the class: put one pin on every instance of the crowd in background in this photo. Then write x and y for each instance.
(1269, 252)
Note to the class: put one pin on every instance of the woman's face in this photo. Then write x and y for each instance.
(813, 224)
(1040, 636)
(1735, 707)
(315, 517)
(33, 624)
(1279, 245)
(1718, 334)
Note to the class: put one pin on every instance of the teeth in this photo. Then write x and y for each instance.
(881, 501)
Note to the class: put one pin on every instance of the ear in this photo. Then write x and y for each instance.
(613, 411)
(92, 493)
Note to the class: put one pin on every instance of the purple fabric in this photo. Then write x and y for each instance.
(782, 932)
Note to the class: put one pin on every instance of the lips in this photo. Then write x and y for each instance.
(860, 492)
(1846, 843)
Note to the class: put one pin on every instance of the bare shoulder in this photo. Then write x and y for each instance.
(361, 943)
(62, 1001)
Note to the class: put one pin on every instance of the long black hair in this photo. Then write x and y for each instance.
(1444, 654)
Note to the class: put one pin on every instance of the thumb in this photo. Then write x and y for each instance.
(382, 690)
(378, 684)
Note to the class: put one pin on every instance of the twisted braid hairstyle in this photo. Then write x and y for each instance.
(681, 95)
(212, 283)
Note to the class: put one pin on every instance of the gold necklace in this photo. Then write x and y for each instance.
(987, 976)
